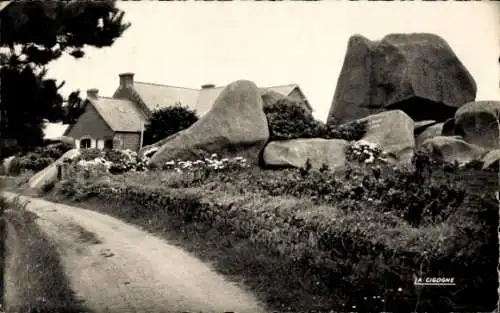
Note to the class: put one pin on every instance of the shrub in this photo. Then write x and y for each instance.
(30, 162)
(90, 154)
(47, 187)
(168, 121)
(38, 159)
(351, 131)
(287, 119)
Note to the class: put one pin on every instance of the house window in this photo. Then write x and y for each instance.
(108, 144)
(85, 143)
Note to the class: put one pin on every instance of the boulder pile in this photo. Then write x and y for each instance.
(411, 91)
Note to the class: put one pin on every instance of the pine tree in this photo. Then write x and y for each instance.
(34, 33)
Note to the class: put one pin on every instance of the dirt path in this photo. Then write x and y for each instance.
(116, 267)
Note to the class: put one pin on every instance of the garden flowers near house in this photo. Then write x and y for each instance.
(121, 161)
(210, 163)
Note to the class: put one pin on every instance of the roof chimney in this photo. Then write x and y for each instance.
(207, 86)
(126, 80)
(92, 93)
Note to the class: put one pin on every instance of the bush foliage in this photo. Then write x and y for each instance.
(358, 239)
(168, 121)
(288, 119)
(38, 159)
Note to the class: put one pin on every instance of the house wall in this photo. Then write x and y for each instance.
(100, 143)
(90, 125)
(130, 141)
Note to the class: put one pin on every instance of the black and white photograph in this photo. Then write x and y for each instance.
(249, 156)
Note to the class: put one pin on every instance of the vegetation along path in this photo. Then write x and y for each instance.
(115, 267)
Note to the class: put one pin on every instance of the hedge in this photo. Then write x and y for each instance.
(359, 250)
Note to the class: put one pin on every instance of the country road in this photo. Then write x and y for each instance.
(115, 267)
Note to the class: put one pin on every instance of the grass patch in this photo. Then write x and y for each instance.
(37, 280)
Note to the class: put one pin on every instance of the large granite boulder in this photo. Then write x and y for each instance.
(428, 133)
(420, 126)
(49, 174)
(393, 132)
(235, 125)
(418, 73)
(478, 123)
(296, 152)
(491, 158)
(451, 149)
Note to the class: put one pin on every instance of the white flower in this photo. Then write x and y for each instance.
(369, 160)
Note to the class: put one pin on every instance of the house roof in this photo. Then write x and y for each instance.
(121, 115)
(156, 96)
(4, 4)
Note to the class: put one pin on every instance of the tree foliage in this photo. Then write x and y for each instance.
(168, 121)
(33, 34)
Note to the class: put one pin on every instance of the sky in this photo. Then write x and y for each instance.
(273, 43)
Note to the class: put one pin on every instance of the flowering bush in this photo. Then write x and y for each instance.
(121, 161)
(364, 152)
(288, 119)
(210, 163)
(109, 161)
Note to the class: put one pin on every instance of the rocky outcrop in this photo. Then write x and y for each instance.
(393, 132)
(449, 127)
(235, 125)
(451, 149)
(478, 123)
(417, 73)
(429, 132)
(296, 152)
(49, 174)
